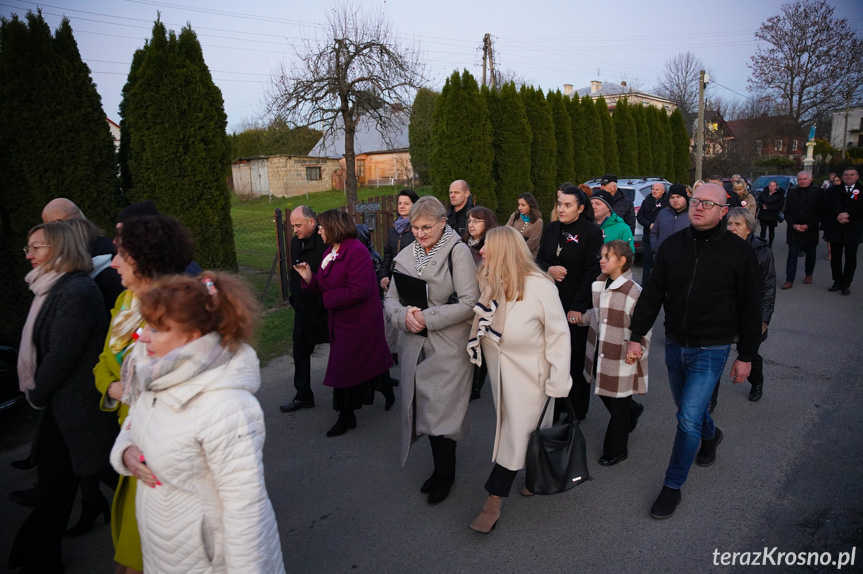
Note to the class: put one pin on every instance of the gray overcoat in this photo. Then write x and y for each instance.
(436, 372)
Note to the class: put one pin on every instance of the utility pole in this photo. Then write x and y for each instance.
(487, 60)
(703, 79)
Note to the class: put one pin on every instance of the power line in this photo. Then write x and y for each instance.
(727, 88)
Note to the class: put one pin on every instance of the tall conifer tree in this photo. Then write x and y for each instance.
(543, 147)
(680, 147)
(420, 133)
(579, 151)
(645, 147)
(627, 138)
(657, 141)
(564, 161)
(594, 141)
(178, 152)
(511, 141)
(462, 141)
(609, 137)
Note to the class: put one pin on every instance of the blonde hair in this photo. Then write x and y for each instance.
(739, 184)
(429, 207)
(69, 251)
(507, 264)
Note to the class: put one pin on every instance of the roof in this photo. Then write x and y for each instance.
(764, 126)
(615, 89)
(367, 139)
(112, 122)
(250, 158)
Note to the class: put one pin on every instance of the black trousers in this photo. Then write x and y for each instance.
(579, 394)
(621, 410)
(768, 227)
(756, 373)
(646, 257)
(443, 453)
(37, 544)
(500, 480)
(843, 276)
(303, 370)
(479, 375)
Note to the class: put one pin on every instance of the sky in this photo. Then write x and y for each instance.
(546, 42)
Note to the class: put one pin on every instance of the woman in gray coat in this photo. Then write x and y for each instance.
(436, 372)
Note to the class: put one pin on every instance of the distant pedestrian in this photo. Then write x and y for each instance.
(844, 218)
(741, 189)
(479, 221)
(770, 202)
(461, 202)
(803, 209)
(612, 226)
(620, 204)
(646, 216)
(617, 377)
(672, 219)
(707, 280)
(520, 327)
(528, 221)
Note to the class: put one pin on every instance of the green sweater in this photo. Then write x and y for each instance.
(615, 228)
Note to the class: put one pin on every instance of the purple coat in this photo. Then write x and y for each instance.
(358, 346)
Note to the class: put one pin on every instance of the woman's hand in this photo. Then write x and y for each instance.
(557, 272)
(115, 390)
(414, 320)
(574, 318)
(304, 270)
(385, 283)
(133, 458)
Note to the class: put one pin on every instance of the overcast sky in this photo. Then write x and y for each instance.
(547, 42)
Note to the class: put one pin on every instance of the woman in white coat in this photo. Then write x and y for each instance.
(520, 325)
(195, 432)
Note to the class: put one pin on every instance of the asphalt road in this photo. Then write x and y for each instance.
(788, 474)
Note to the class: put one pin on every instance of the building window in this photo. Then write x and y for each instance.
(313, 173)
(778, 145)
(793, 145)
(758, 146)
(361, 169)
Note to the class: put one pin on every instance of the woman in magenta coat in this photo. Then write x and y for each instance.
(359, 356)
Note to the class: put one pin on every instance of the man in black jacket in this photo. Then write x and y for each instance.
(844, 228)
(460, 203)
(621, 205)
(707, 280)
(310, 315)
(803, 208)
(646, 216)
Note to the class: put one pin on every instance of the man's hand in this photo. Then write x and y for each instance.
(634, 352)
(801, 227)
(574, 318)
(843, 217)
(557, 272)
(739, 371)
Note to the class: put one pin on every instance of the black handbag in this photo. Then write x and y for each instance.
(557, 456)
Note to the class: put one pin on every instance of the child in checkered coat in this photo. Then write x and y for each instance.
(615, 294)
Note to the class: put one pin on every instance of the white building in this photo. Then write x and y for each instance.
(848, 133)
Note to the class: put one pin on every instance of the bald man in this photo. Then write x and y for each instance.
(707, 279)
(460, 203)
(60, 209)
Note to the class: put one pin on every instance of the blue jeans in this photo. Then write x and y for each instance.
(692, 374)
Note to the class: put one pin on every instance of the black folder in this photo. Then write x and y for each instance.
(413, 292)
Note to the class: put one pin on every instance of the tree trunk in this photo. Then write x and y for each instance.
(350, 162)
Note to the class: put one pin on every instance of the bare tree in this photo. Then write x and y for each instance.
(811, 62)
(355, 68)
(679, 81)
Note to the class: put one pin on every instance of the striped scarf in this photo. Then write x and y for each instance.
(422, 258)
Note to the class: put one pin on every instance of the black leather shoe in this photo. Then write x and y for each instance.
(835, 287)
(605, 461)
(90, 511)
(428, 484)
(755, 392)
(394, 381)
(474, 395)
(439, 490)
(666, 503)
(296, 405)
(707, 452)
(28, 498)
(389, 399)
(712, 405)
(846, 291)
(24, 464)
(635, 415)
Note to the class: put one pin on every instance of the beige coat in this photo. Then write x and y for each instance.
(528, 364)
(532, 232)
(436, 372)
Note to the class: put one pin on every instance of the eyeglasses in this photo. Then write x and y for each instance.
(695, 202)
(425, 229)
(475, 221)
(34, 247)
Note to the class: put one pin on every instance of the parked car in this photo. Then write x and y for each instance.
(9, 393)
(785, 182)
(636, 189)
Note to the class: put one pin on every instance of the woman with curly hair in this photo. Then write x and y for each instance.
(147, 248)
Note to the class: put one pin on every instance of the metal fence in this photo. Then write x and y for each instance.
(258, 258)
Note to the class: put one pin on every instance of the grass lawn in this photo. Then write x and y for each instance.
(255, 241)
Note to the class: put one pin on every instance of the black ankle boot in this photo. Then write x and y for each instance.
(90, 511)
(347, 420)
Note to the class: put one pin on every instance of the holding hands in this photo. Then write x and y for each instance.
(634, 352)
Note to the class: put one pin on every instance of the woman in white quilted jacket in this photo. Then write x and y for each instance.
(195, 434)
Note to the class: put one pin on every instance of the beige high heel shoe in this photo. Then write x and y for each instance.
(488, 516)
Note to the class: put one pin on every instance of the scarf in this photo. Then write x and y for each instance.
(422, 258)
(401, 224)
(525, 218)
(41, 284)
(141, 372)
(488, 321)
(127, 320)
(331, 256)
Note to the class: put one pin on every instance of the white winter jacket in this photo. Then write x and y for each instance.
(203, 439)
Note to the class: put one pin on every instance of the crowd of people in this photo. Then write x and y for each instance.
(140, 362)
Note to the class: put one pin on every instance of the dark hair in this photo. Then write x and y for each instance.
(849, 168)
(338, 225)
(212, 302)
(144, 209)
(582, 199)
(530, 200)
(409, 193)
(620, 248)
(487, 216)
(158, 245)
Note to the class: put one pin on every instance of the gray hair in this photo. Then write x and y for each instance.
(745, 215)
(809, 173)
(427, 206)
(308, 212)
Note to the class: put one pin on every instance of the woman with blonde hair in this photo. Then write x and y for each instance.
(520, 331)
(746, 200)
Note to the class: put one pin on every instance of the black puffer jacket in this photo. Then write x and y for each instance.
(767, 273)
(623, 206)
(395, 243)
(650, 207)
(770, 205)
